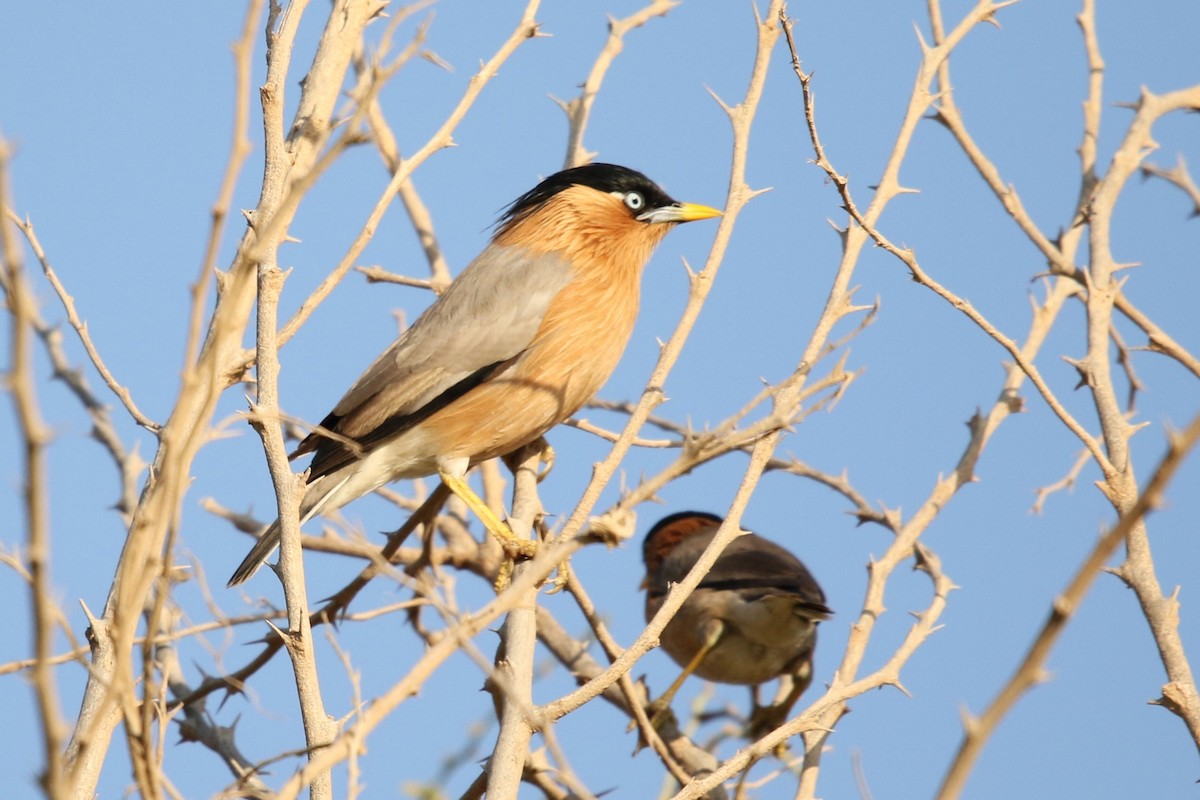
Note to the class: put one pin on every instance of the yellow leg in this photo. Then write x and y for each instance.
(713, 635)
(513, 547)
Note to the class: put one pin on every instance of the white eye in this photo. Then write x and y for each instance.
(634, 201)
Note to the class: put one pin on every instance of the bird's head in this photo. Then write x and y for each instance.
(669, 532)
(595, 207)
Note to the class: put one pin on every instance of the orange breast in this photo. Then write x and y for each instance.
(582, 336)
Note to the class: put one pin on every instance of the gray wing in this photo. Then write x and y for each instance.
(487, 317)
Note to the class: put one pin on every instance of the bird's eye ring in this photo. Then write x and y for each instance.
(634, 201)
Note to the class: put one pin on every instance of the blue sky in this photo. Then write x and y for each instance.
(121, 121)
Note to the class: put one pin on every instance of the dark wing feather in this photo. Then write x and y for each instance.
(750, 564)
(332, 455)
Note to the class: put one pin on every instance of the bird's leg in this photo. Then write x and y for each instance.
(764, 719)
(713, 630)
(513, 547)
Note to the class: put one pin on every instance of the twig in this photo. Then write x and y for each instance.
(1065, 482)
(1031, 669)
(129, 464)
(434, 656)
(681, 762)
(34, 435)
(905, 255)
(377, 274)
(526, 29)
(579, 109)
(825, 712)
(239, 150)
(1178, 176)
(1160, 341)
(81, 328)
(741, 118)
(385, 141)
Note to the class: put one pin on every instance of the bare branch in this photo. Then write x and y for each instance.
(526, 29)
(68, 302)
(239, 151)
(579, 109)
(34, 438)
(1178, 176)
(979, 729)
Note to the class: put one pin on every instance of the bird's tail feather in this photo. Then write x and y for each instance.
(258, 554)
(269, 540)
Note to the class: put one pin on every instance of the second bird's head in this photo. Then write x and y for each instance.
(595, 207)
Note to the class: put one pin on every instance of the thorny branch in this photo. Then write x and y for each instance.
(35, 436)
(214, 368)
(1029, 672)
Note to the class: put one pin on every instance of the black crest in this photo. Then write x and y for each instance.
(601, 177)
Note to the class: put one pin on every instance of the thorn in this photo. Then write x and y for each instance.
(970, 724)
(938, 117)
(691, 273)
(724, 106)
(1082, 368)
(925, 48)
(87, 612)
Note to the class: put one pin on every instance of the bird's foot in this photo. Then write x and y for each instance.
(514, 550)
(659, 713)
(662, 720)
(764, 719)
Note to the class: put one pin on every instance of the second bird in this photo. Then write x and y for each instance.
(751, 619)
(527, 334)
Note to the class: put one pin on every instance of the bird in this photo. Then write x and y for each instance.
(527, 333)
(751, 619)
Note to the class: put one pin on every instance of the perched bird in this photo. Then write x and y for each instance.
(526, 335)
(752, 618)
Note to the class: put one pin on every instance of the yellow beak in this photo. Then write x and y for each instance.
(679, 212)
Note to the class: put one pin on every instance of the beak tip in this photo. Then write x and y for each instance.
(693, 212)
